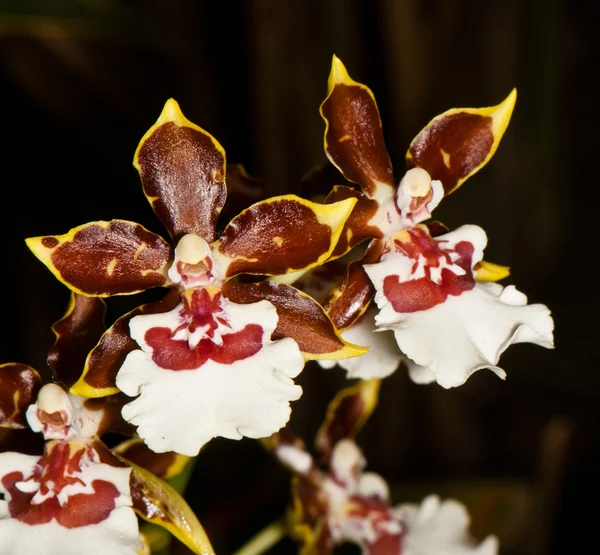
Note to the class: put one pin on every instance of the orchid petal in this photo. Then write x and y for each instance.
(300, 317)
(86, 508)
(77, 332)
(104, 361)
(488, 271)
(458, 143)
(440, 528)
(346, 415)
(353, 136)
(281, 235)
(158, 503)
(383, 357)
(19, 385)
(182, 168)
(101, 259)
(221, 372)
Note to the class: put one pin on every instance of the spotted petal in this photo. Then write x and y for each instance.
(442, 319)
(65, 503)
(300, 317)
(346, 415)
(281, 235)
(105, 359)
(212, 363)
(459, 142)
(105, 258)
(183, 174)
(77, 332)
(158, 503)
(19, 385)
(353, 136)
(438, 527)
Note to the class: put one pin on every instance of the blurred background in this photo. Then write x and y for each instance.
(82, 80)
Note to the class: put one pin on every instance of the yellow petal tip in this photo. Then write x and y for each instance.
(338, 75)
(488, 271)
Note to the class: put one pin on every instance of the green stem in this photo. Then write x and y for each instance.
(264, 540)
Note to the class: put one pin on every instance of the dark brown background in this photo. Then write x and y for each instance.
(81, 81)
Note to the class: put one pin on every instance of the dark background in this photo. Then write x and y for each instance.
(81, 82)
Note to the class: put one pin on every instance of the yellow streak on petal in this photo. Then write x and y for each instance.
(345, 138)
(110, 269)
(445, 157)
(139, 250)
(278, 241)
(488, 271)
(84, 389)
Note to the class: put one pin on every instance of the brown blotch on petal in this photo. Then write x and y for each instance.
(357, 228)
(49, 242)
(250, 238)
(182, 171)
(300, 317)
(115, 259)
(77, 332)
(452, 147)
(346, 303)
(106, 359)
(19, 385)
(354, 138)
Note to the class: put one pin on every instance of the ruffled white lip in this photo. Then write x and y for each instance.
(181, 410)
(464, 333)
(440, 528)
(117, 534)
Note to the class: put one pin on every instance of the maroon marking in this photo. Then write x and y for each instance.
(423, 293)
(255, 234)
(300, 317)
(54, 471)
(467, 138)
(77, 332)
(83, 261)
(106, 359)
(19, 385)
(172, 354)
(361, 155)
(50, 242)
(203, 311)
(184, 174)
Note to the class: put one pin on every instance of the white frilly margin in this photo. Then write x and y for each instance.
(438, 527)
(117, 535)
(183, 410)
(465, 333)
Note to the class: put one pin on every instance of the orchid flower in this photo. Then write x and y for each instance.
(79, 496)
(335, 501)
(428, 284)
(215, 357)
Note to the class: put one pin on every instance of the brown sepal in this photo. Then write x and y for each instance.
(77, 332)
(19, 385)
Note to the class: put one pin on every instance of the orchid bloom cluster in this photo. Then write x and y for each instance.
(247, 303)
(336, 502)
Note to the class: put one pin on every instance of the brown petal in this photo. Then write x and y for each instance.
(106, 359)
(183, 174)
(346, 415)
(164, 465)
(353, 136)
(300, 317)
(282, 235)
(357, 228)
(459, 142)
(77, 332)
(101, 259)
(19, 385)
(345, 304)
(157, 502)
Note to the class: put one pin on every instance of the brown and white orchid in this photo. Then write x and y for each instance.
(217, 356)
(428, 284)
(79, 496)
(335, 501)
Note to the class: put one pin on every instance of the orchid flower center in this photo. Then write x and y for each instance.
(193, 265)
(417, 195)
(54, 407)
